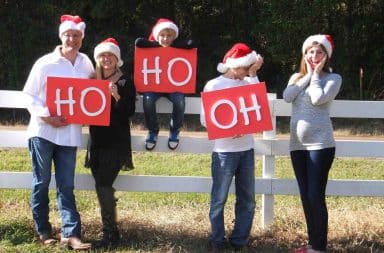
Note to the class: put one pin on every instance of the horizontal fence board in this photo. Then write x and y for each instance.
(335, 187)
(12, 99)
(339, 108)
(189, 184)
(201, 145)
(142, 183)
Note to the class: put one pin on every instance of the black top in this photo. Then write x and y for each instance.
(110, 146)
(177, 43)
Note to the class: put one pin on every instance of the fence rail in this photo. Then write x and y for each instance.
(268, 146)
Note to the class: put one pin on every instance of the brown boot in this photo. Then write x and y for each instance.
(75, 243)
(47, 239)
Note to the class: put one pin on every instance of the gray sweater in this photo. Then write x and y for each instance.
(311, 97)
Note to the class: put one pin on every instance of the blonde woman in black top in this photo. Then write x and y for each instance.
(109, 148)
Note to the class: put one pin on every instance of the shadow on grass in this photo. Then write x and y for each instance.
(16, 232)
(147, 237)
(177, 238)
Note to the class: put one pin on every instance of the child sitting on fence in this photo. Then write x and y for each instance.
(164, 34)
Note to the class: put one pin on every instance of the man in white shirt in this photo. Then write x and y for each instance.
(52, 139)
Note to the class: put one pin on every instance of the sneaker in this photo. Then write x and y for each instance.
(151, 140)
(173, 140)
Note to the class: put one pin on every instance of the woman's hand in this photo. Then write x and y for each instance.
(114, 91)
(308, 65)
(319, 67)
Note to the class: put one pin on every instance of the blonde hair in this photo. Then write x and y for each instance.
(303, 66)
(99, 73)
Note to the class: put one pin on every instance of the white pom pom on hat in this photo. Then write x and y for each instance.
(109, 45)
(240, 55)
(162, 24)
(69, 22)
(324, 39)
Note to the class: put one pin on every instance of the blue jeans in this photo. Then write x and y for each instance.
(149, 106)
(225, 166)
(43, 152)
(311, 169)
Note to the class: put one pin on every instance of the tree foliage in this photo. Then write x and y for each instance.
(275, 29)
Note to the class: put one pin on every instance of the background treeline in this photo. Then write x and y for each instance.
(275, 29)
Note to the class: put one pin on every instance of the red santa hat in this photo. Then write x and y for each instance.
(323, 39)
(240, 55)
(109, 45)
(162, 24)
(69, 22)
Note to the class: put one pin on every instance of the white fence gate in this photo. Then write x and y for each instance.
(268, 146)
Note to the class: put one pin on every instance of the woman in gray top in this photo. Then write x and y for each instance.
(312, 145)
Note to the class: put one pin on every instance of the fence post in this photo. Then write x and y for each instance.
(267, 211)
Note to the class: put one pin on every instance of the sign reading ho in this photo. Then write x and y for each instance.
(236, 111)
(165, 70)
(81, 101)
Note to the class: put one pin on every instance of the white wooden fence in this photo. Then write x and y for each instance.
(268, 147)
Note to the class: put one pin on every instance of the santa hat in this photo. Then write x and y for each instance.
(108, 45)
(69, 22)
(162, 24)
(323, 39)
(240, 55)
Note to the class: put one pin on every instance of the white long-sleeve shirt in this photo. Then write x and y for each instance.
(311, 97)
(243, 143)
(53, 64)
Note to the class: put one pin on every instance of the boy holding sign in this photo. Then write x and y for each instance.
(233, 156)
(163, 34)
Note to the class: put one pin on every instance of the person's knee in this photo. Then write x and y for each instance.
(316, 200)
(179, 104)
(65, 186)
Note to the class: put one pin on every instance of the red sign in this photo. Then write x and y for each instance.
(165, 70)
(81, 101)
(235, 111)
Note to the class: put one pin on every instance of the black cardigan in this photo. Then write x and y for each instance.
(111, 145)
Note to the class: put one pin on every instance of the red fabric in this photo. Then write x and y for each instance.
(238, 50)
(75, 19)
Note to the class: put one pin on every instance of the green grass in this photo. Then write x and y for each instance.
(178, 222)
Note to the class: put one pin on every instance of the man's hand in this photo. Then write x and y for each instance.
(237, 136)
(55, 121)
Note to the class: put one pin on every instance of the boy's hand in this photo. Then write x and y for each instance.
(256, 66)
